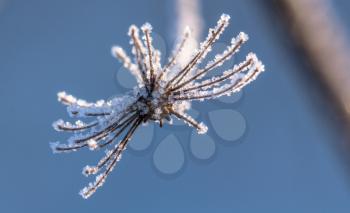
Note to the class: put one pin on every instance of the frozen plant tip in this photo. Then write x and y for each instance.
(162, 92)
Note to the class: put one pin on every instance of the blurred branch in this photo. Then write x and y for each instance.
(321, 36)
(189, 14)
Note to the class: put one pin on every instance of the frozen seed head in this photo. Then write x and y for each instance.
(202, 128)
(162, 93)
(133, 29)
(146, 27)
(243, 37)
(119, 53)
(224, 18)
(65, 98)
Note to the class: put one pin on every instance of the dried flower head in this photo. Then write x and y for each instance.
(162, 92)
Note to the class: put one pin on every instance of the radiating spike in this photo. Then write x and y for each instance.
(201, 127)
(236, 43)
(100, 179)
(236, 85)
(176, 53)
(251, 59)
(120, 54)
(205, 48)
(147, 29)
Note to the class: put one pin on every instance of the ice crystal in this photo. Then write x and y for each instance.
(162, 92)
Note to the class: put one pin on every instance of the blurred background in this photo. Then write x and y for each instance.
(293, 157)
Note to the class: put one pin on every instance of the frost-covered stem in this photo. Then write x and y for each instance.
(236, 86)
(155, 98)
(83, 142)
(120, 54)
(57, 148)
(226, 55)
(61, 126)
(201, 128)
(146, 28)
(176, 53)
(109, 155)
(122, 127)
(217, 79)
(188, 16)
(88, 191)
(212, 37)
(69, 100)
(99, 135)
(139, 53)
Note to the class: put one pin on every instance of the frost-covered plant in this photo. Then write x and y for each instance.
(161, 93)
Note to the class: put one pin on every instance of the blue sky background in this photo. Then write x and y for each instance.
(287, 161)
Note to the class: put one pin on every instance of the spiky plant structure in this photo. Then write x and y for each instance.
(162, 92)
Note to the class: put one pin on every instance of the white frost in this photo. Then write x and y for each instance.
(168, 93)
